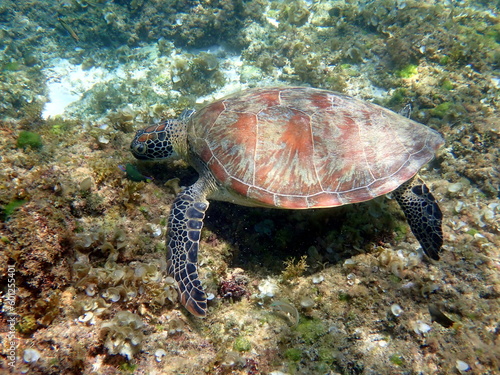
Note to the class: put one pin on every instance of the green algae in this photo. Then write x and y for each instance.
(396, 359)
(344, 297)
(293, 354)
(59, 126)
(444, 60)
(313, 333)
(395, 279)
(57, 129)
(11, 66)
(29, 139)
(26, 324)
(398, 97)
(447, 85)
(242, 344)
(472, 232)
(310, 329)
(11, 207)
(128, 367)
(441, 110)
(407, 72)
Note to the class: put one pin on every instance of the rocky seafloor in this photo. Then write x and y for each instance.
(332, 291)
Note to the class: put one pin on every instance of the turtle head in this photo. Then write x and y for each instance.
(154, 142)
(161, 141)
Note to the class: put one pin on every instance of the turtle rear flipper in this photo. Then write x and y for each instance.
(423, 215)
(185, 224)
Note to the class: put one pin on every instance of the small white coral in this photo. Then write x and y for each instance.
(31, 355)
(462, 366)
(159, 354)
(267, 288)
(396, 310)
(420, 327)
(88, 317)
(317, 279)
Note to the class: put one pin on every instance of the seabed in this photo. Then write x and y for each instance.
(334, 291)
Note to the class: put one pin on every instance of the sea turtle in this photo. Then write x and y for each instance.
(294, 148)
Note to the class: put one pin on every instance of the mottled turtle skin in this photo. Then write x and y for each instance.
(292, 148)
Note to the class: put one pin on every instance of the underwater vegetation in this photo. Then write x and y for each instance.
(10, 207)
(29, 139)
(342, 291)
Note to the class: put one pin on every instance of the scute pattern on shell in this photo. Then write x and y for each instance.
(304, 148)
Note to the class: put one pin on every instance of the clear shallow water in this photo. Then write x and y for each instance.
(136, 63)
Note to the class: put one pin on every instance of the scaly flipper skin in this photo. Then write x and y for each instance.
(423, 215)
(185, 223)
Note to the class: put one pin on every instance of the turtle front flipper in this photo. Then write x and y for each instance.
(185, 223)
(423, 215)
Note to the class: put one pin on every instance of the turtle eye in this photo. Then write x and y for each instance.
(139, 149)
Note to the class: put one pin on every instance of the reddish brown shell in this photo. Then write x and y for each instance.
(303, 148)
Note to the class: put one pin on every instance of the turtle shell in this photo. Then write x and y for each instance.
(299, 147)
